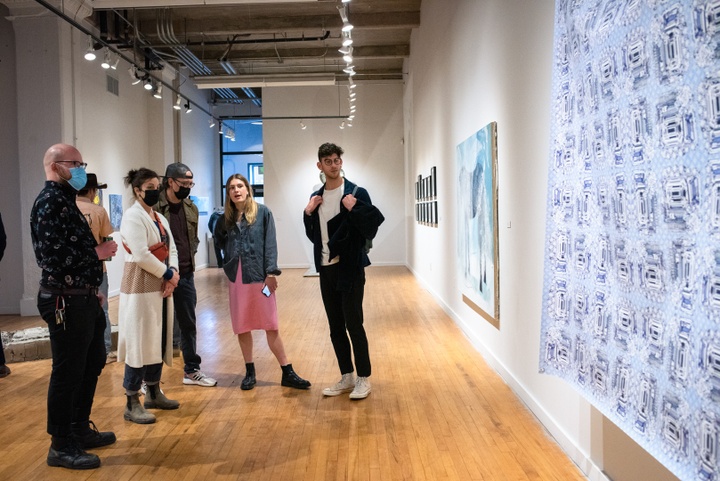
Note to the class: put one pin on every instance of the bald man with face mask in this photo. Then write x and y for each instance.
(70, 303)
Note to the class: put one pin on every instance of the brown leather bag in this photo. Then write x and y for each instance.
(159, 250)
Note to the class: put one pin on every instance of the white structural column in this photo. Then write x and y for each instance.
(45, 113)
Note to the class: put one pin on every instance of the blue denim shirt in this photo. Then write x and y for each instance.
(255, 246)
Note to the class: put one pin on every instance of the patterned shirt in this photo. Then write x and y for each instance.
(63, 242)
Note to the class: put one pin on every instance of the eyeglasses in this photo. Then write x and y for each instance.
(330, 162)
(185, 183)
(75, 163)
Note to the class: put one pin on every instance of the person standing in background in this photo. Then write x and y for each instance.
(4, 370)
(70, 303)
(183, 216)
(214, 217)
(99, 222)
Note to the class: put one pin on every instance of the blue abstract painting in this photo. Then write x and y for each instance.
(631, 308)
(477, 245)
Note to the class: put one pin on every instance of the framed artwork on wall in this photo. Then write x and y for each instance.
(477, 198)
(116, 211)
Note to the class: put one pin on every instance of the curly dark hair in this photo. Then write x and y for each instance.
(327, 149)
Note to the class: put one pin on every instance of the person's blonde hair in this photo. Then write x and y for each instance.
(231, 212)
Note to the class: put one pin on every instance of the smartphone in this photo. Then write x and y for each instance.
(266, 290)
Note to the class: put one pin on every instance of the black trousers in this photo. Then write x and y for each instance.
(345, 317)
(185, 327)
(78, 358)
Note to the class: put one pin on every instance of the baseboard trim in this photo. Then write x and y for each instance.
(576, 454)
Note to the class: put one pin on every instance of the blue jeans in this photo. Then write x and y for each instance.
(78, 358)
(345, 317)
(185, 300)
(134, 376)
(108, 329)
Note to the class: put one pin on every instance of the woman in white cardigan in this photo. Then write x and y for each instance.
(145, 317)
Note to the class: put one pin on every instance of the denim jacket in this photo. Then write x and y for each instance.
(254, 245)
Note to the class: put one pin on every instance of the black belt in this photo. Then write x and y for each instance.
(88, 291)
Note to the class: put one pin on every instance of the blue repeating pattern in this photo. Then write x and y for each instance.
(631, 310)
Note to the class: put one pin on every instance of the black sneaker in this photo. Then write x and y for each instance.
(90, 437)
(72, 457)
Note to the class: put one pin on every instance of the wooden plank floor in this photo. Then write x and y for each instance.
(437, 412)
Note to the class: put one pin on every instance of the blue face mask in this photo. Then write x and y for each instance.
(78, 178)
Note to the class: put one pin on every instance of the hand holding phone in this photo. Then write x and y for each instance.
(266, 290)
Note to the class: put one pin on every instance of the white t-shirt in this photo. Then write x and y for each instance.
(329, 208)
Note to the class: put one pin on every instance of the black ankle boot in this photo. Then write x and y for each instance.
(66, 453)
(291, 379)
(249, 381)
(88, 436)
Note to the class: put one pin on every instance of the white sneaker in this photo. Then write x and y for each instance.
(362, 388)
(199, 379)
(143, 388)
(346, 384)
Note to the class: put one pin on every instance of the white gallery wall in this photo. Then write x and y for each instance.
(61, 97)
(472, 63)
(11, 285)
(374, 159)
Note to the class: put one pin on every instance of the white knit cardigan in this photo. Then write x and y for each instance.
(141, 301)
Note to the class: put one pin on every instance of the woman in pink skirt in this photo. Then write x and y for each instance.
(247, 236)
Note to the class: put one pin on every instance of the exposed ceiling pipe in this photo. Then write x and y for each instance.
(166, 34)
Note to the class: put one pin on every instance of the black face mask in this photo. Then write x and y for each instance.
(151, 197)
(182, 192)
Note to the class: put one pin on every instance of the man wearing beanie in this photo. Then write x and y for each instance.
(183, 217)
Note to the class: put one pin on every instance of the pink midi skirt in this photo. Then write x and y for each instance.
(250, 309)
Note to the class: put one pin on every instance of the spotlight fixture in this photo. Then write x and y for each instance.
(347, 56)
(188, 107)
(347, 26)
(347, 39)
(302, 125)
(133, 75)
(350, 70)
(157, 93)
(90, 52)
(115, 63)
(106, 59)
(342, 125)
(345, 1)
(147, 83)
(178, 103)
(220, 128)
(352, 95)
(352, 84)
(211, 122)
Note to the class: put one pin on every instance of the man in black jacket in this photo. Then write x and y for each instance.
(4, 370)
(340, 220)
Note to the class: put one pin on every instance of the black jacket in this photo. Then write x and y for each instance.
(348, 233)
